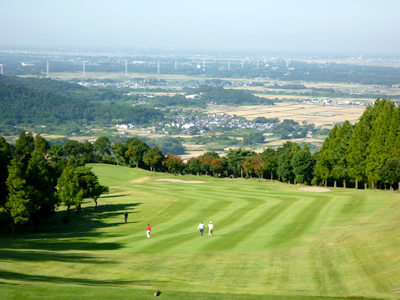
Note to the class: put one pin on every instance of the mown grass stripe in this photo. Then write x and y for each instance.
(299, 224)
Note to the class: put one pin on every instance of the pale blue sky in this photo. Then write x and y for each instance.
(360, 26)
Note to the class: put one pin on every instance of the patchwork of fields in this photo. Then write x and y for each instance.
(320, 115)
(270, 239)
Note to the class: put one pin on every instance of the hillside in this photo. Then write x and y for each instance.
(30, 102)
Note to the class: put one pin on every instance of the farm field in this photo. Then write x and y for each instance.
(271, 240)
(318, 114)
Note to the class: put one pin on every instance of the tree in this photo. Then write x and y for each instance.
(134, 155)
(5, 159)
(40, 178)
(378, 150)
(285, 155)
(88, 153)
(390, 172)
(41, 145)
(118, 151)
(358, 147)
(270, 161)
(135, 151)
(102, 145)
(153, 158)
(73, 149)
(303, 165)
(193, 165)
(89, 184)
(18, 205)
(24, 146)
(205, 161)
(216, 166)
(235, 158)
(323, 168)
(57, 159)
(174, 163)
(68, 189)
(338, 152)
(254, 165)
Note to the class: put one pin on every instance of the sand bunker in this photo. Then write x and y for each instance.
(178, 180)
(315, 189)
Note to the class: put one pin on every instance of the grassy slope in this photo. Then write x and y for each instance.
(270, 239)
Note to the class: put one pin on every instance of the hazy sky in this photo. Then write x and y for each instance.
(360, 26)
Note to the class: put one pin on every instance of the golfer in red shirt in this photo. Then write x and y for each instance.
(148, 228)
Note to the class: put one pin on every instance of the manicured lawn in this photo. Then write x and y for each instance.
(270, 239)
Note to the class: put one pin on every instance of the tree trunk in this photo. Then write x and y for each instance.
(334, 183)
(399, 185)
(356, 187)
(272, 177)
(326, 182)
(295, 181)
(95, 201)
(365, 186)
(344, 184)
(241, 173)
(372, 184)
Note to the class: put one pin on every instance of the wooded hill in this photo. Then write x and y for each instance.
(34, 102)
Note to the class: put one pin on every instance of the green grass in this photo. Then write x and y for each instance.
(271, 240)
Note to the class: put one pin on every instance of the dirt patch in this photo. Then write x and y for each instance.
(178, 180)
(315, 189)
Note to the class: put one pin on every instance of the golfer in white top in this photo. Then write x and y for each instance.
(201, 227)
(210, 229)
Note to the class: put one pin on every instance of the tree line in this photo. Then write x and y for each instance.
(35, 179)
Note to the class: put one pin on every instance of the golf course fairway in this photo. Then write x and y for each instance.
(271, 241)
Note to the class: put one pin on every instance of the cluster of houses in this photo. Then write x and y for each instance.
(211, 121)
(202, 123)
(330, 102)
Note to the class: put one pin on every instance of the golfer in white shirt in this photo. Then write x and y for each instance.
(210, 229)
(201, 227)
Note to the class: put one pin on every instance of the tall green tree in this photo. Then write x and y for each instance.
(173, 163)
(358, 147)
(153, 158)
(285, 155)
(24, 146)
(303, 165)
(270, 161)
(89, 184)
(323, 168)
(118, 151)
(41, 145)
(338, 153)
(378, 151)
(18, 206)
(73, 149)
(235, 159)
(390, 172)
(135, 151)
(68, 189)
(5, 159)
(103, 146)
(193, 165)
(39, 176)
